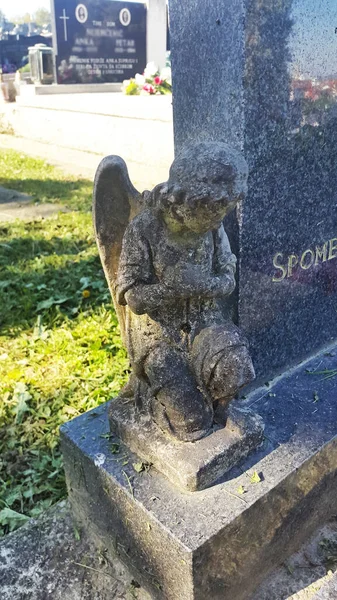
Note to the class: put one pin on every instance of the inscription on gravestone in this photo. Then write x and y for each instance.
(273, 89)
(99, 41)
(289, 244)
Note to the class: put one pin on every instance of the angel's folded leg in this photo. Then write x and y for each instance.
(222, 362)
(178, 406)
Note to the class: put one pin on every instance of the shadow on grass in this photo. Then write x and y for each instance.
(55, 278)
(74, 194)
(33, 247)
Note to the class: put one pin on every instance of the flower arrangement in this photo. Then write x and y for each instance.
(153, 82)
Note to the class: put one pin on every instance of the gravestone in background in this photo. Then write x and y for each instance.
(263, 76)
(14, 51)
(98, 41)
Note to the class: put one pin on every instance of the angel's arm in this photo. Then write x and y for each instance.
(137, 285)
(146, 298)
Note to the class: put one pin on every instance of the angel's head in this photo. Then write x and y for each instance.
(206, 183)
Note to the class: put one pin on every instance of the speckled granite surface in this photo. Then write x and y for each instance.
(49, 558)
(263, 75)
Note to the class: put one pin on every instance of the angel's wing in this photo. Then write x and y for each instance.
(115, 203)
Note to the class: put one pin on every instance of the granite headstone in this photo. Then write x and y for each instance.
(99, 41)
(14, 50)
(262, 75)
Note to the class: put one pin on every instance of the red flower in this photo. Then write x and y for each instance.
(149, 88)
(158, 80)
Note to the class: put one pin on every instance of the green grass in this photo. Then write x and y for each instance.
(42, 181)
(60, 350)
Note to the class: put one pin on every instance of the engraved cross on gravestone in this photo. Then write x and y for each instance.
(65, 19)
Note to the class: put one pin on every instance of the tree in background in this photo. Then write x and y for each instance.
(20, 19)
(42, 17)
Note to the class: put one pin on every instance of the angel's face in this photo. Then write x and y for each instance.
(198, 215)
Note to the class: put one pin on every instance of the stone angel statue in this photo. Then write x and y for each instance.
(169, 267)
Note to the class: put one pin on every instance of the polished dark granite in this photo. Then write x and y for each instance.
(98, 41)
(263, 76)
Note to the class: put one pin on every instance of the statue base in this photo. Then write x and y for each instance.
(190, 466)
(221, 542)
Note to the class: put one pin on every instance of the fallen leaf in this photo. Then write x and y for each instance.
(255, 478)
(138, 467)
(51, 302)
(141, 466)
(12, 518)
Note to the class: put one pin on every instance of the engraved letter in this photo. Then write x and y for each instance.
(278, 266)
(305, 265)
(292, 262)
(332, 248)
(321, 253)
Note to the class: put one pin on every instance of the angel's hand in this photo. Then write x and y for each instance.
(221, 285)
(143, 299)
(185, 282)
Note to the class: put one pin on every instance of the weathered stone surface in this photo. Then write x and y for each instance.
(15, 205)
(208, 107)
(9, 196)
(329, 591)
(28, 211)
(190, 466)
(50, 558)
(306, 572)
(261, 74)
(171, 272)
(217, 543)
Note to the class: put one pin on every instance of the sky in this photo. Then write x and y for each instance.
(19, 7)
(11, 8)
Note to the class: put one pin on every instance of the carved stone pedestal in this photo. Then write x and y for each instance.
(190, 466)
(221, 542)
